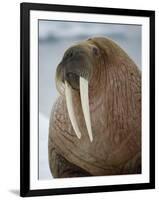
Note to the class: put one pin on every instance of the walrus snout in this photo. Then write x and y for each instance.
(74, 64)
(70, 73)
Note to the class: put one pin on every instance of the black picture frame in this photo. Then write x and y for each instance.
(25, 9)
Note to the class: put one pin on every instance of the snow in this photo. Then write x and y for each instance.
(44, 171)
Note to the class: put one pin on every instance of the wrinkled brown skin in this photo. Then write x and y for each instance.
(115, 108)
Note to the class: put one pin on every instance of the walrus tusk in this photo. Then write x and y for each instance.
(69, 103)
(85, 105)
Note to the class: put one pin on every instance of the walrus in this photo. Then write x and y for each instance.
(95, 123)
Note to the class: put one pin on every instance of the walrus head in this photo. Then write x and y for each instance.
(79, 70)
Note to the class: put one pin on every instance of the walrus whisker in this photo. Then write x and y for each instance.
(85, 105)
(70, 108)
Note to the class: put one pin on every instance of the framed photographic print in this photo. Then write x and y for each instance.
(87, 99)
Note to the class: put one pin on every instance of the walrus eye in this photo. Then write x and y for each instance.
(95, 51)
